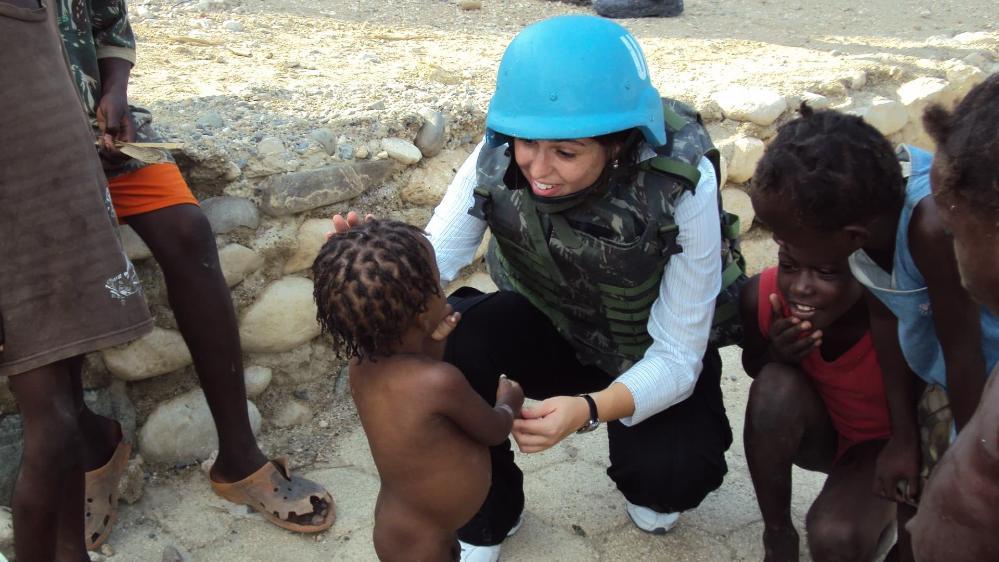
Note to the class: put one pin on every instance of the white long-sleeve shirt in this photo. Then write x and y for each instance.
(680, 320)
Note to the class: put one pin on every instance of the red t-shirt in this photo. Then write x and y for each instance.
(851, 385)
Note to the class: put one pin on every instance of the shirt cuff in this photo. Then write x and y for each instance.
(113, 52)
(652, 392)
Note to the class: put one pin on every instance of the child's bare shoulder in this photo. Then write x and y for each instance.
(439, 374)
(928, 238)
(430, 381)
(415, 378)
(420, 369)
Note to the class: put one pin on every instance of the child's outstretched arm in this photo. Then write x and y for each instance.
(898, 461)
(956, 316)
(459, 401)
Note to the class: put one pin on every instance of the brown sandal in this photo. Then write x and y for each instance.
(101, 497)
(279, 496)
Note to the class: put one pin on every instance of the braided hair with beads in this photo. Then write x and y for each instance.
(372, 282)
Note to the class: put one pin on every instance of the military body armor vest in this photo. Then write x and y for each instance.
(595, 269)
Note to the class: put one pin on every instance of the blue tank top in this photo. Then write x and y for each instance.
(904, 290)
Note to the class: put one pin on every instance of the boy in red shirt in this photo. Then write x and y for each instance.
(817, 401)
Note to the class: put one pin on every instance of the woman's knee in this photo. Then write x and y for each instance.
(491, 326)
(672, 481)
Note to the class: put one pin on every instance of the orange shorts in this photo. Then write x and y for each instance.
(149, 188)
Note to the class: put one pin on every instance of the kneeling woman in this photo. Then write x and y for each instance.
(606, 244)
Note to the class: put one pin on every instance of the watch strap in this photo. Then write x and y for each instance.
(593, 407)
(594, 420)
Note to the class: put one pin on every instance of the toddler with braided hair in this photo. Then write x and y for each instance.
(379, 298)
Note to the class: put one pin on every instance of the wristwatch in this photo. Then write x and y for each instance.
(594, 420)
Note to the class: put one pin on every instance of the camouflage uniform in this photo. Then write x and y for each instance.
(92, 30)
(594, 266)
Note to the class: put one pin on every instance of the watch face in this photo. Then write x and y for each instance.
(590, 426)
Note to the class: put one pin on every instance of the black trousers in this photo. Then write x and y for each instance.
(668, 462)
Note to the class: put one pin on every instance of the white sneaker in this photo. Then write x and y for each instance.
(475, 553)
(651, 521)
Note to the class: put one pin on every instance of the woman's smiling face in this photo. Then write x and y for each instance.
(560, 167)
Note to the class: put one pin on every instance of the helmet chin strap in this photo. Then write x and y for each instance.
(552, 205)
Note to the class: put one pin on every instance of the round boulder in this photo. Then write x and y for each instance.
(283, 318)
(181, 430)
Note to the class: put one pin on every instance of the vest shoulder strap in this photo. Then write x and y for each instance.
(688, 142)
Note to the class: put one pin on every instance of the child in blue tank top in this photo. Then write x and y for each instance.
(924, 323)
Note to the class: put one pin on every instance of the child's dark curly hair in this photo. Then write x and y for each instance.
(371, 284)
(832, 168)
(967, 158)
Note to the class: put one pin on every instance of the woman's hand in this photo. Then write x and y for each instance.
(788, 342)
(549, 422)
(341, 224)
(896, 471)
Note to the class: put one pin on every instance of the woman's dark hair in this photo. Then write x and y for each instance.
(371, 284)
(833, 170)
(967, 158)
(628, 142)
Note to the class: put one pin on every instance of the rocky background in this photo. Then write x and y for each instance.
(291, 111)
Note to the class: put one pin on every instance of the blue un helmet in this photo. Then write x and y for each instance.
(575, 77)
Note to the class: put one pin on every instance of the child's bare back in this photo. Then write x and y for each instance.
(429, 435)
(434, 475)
(378, 293)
